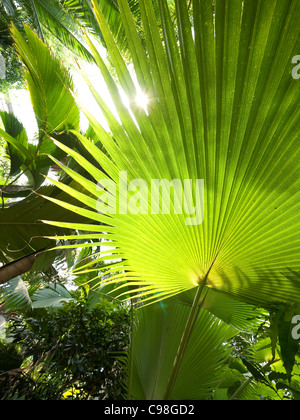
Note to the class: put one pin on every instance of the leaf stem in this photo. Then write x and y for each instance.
(195, 309)
(241, 388)
(130, 361)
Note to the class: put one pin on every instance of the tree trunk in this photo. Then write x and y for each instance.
(17, 268)
(5, 100)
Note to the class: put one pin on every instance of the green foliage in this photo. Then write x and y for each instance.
(253, 374)
(42, 16)
(74, 348)
(55, 295)
(10, 358)
(17, 150)
(281, 331)
(10, 365)
(222, 107)
(50, 86)
(14, 73)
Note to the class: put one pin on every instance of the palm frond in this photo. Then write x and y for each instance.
(237, 314)
(55, 295)
(22, 231)
(49, 84)
(15, 295)
(222, 108)
(49, 14)
(156, 338)
(82, 11)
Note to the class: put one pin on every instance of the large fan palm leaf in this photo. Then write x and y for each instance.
(223, 108)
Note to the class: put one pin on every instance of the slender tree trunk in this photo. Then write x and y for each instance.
(17, 268)
(5, 100)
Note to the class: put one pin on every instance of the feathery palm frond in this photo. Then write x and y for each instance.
(49, 15)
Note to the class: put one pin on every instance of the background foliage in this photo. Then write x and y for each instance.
(67, 353)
